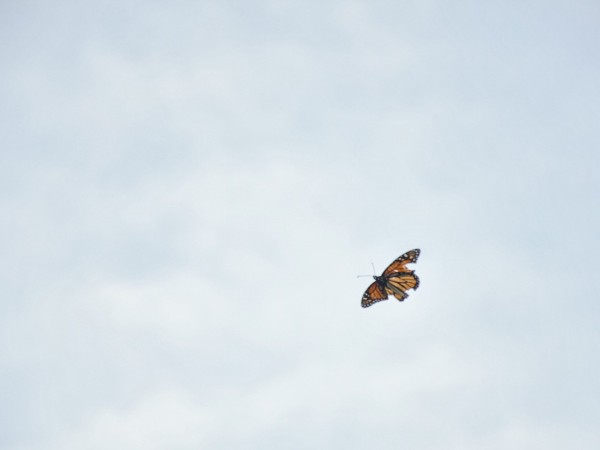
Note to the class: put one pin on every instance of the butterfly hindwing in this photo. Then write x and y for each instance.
(400, 295)
(398, 283)
(399, 264)
(373, 294)
(404, 281)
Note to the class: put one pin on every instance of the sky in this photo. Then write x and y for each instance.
(189, 190)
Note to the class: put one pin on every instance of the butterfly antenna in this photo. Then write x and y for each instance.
(374, 273)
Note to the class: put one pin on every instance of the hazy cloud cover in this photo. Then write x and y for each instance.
(190, 188)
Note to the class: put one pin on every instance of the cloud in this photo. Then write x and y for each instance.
(190, 192)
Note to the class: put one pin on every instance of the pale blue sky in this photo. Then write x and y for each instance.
(190, 188)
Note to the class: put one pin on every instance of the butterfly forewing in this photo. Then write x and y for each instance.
(373, 294)
(399, 264)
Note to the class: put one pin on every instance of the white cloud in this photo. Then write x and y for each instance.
(190, 192)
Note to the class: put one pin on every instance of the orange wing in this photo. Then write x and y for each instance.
(373, 294)
(398, 283)
(399, 264)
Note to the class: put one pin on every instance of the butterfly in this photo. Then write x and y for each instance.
(395, 280)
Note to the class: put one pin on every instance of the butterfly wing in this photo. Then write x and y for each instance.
(399, 264)
(373, 294)
(398, 283)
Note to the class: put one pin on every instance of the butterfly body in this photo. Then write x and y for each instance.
(380, 281)
(395, 280)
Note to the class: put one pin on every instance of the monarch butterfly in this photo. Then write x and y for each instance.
(395, 280)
